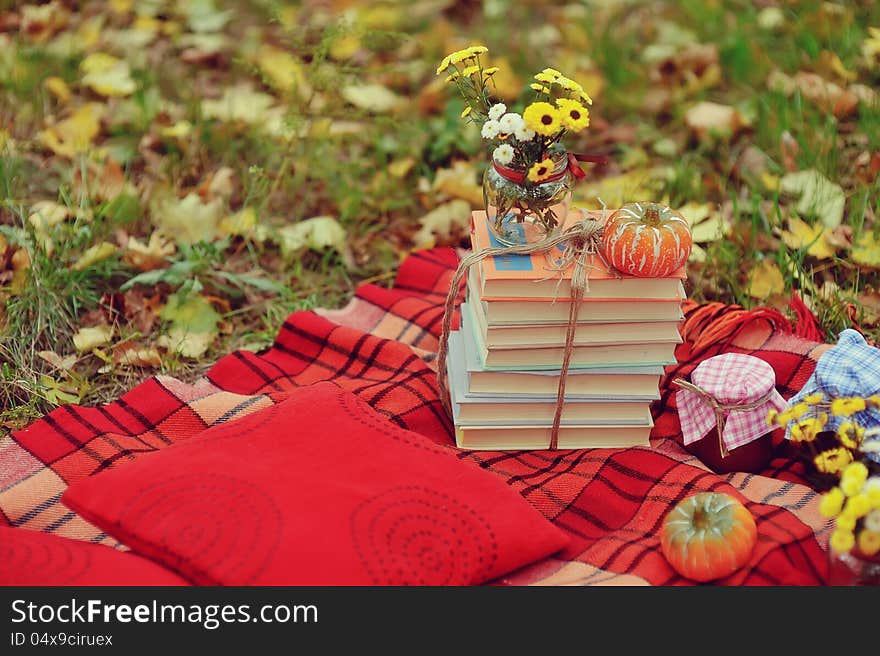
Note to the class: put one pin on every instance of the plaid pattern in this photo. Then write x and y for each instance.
(850, 368)
(382, 348)
(731, 378)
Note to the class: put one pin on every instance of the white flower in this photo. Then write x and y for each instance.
(497, 110)
(524, 134)
(490, 129)
(872, 521)
(503, 154)
(511, 123)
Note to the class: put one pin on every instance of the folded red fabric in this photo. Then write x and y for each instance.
(42, 559)
(317, 490)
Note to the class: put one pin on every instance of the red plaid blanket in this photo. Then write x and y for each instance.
(382, 348)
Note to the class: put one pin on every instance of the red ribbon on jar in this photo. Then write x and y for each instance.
(573, 166)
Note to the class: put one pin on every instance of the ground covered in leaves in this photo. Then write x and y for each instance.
(176, 177)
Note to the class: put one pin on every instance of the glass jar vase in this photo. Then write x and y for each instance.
(853, 568)
(525, 212)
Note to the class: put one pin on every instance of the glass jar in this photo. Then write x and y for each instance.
(525, 212)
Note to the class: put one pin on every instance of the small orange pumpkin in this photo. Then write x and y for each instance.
(708, 536)
(647, 239)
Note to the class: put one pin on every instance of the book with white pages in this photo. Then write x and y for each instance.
(476, 410)
(636, 383)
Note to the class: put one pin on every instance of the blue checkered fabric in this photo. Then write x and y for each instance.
(850, 368)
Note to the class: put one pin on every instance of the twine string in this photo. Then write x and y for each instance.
(584, 239)
(720, 408)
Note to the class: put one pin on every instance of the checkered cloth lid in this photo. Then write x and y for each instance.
(849, 368)
(731, 379)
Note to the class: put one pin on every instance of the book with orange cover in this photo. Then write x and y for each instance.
(531, 276)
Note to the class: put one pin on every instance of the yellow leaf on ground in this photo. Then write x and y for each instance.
(193, 325)
(316, 233)
(75, 134)
(708, 119)
(800, 234)
(819, 196)
(240, 223)
(618, 190)
(138, 357)
(95, 254)
(107, 75)
(283, 70)
(47, 214)
(40, 22)
(371, 97)
(442, 221)
(459, 181)
(765, 279)
(239, 103)
(64, 363)
(58, 88)
(149, 256)
(87, 339)
(712, 229)
(180, 130)
(866, 250)
(186, 343)
(189, 219)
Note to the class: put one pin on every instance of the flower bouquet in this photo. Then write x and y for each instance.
(833, 423)
(527, 187)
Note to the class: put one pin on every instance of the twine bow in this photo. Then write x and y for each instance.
(583, 241)
(720, 408)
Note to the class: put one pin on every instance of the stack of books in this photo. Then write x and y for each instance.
(504, 362)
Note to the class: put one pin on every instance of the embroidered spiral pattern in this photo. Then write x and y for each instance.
(229, 540)
(35, 560)
(416, 536)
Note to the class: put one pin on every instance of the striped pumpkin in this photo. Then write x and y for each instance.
(647, 240)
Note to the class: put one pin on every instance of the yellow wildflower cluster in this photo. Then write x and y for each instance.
(854, 506)
(532, 137)
(854, 503)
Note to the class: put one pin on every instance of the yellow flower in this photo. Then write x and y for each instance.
(851, 486)
(845, 522)
(452, 77)
(847, 406)
(832, 460)
(466, 111)
(478, 50)
(869, 542)
(855, 470)
(575, 116)
(857, 506)
(806, 430)
(543, 118)
(798, 410)
(842, 540)
(832, 502)
(540, 171)
(850, 434)
(540, 88)
(459, 56)
(470, 70)
(551, 71)
(569, 85)
(543, 77)
(489, 72)
(813, 399)
(443, 65)
(585, 97)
